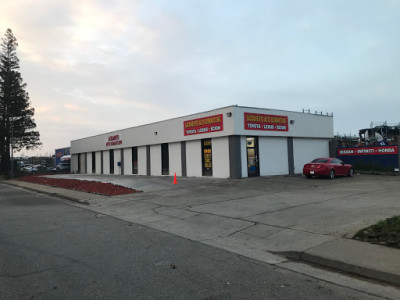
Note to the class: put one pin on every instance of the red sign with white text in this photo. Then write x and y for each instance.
(203, 125)
(114, 140)
(265, 122)
(384, 150)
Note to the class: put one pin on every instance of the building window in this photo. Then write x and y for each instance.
(111, 161)
(134, 160)
(206, 150)
(93, 162)
(164, 159)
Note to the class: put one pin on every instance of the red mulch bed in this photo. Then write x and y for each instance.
(94, 187)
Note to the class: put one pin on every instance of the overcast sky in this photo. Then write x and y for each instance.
(102, 65)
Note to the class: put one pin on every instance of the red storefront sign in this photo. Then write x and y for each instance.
(265, 122)
(383, 150)
(203, 125)
(114, 140)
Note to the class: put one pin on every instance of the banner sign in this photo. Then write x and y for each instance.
(265, 122)
(114, 140)
(204, 125)
(384, 150)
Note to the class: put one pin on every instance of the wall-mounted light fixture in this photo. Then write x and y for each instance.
(155, 132)
(292, 122)
(229, 114)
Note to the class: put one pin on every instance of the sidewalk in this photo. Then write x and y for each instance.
(274, 220)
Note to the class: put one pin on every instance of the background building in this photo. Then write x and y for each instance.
(230, 142)
(60, 153)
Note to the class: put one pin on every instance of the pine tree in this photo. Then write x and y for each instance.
(16, 115)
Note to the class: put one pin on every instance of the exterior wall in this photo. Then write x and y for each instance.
(305, 150)
(193, 159)
(175, 159)
(142, 159)
(89, 163)
(127, 161)
(243, 151)
(220, 157)
(155, 158)
(98, 162)
(310, 134)
(168, 131)
(117, 158)
(299, 124)
(273, 156)
(106, 162)
(82, 166)
(74, 163)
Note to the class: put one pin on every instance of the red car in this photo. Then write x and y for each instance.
(330, 167)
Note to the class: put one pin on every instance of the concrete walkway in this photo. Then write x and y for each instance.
(271, 219)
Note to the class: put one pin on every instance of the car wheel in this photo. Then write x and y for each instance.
(351, 172)
(332, 174)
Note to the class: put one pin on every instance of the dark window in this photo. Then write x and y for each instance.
(252, 157)
(93, 162)
(164, 159)
(134, 160)
(111, 161)
(320, 160)
(207, 157)
(337, 161)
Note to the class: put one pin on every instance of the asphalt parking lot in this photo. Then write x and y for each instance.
(266, 218)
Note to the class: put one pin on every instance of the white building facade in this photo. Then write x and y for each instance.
(230, 142)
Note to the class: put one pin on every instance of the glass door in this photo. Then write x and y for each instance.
(252, 156)
(206, 157)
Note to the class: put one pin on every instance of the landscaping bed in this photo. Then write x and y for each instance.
(386, 233)
(94, 187)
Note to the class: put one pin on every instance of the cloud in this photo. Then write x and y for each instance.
(96, 66)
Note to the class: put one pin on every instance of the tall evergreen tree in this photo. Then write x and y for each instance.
(16, 116)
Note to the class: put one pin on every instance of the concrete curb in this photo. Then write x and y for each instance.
(359, 258)
(53, 194)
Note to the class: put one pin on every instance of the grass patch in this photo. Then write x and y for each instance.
(386, 233)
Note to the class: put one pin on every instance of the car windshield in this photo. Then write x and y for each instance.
(320, 160)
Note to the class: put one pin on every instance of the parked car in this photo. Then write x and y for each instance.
(31, 169)
(63, 167)
(331, 167)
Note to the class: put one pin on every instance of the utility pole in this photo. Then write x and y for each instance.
(12, 148)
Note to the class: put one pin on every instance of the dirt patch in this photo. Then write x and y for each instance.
(94, 187)
(385, 233)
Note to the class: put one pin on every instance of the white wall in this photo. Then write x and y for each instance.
(273, 156)
(98, 162)
(193, 158)
(106, 162)
(117, 158)
(175, 160)
(82, 166)
(155, 160)
(142, 161)
(127, 161)
(168, 131)
(303, 124)
(305, 150)
(220, 157)
(74, 163)
(89, 163)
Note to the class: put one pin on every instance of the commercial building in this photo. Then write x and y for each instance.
(230, 142)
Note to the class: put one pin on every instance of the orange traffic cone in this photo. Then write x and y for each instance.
(175, 182)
